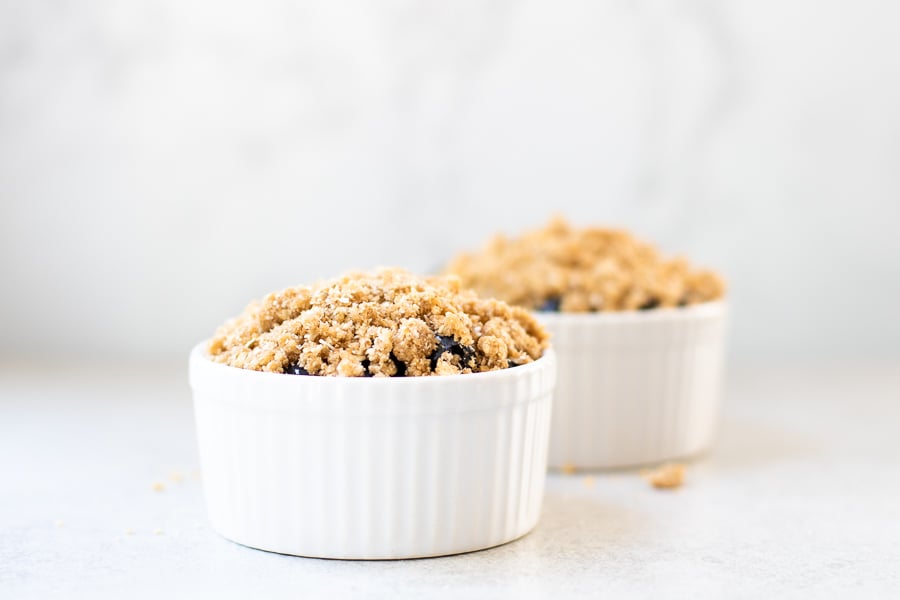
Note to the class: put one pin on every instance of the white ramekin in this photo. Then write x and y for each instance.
(372, 468)
(635, 387)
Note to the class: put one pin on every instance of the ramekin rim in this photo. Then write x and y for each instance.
(201, 356)
(703, 309)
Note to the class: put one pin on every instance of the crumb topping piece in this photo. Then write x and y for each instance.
(386, 324)
(568, 469)
(667, 476)
(561, 268)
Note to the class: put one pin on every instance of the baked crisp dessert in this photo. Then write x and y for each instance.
(390, 323)
(561, 268)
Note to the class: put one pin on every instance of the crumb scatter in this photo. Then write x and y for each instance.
(390, 323)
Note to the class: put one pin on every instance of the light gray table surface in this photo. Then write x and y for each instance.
(800, 498)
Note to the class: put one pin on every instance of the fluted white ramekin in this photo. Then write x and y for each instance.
(635, 387)
(372, 468)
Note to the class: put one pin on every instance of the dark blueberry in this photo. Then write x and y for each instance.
(295, 370)
(399, 365)
(365, 364)
(550, 304)
(510, 364)
(449, 344)
(649, 304)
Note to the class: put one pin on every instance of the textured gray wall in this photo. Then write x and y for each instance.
(163, 162)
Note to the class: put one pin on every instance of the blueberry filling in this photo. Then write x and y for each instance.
(449, 344)
(295, 369)
(649, 304)
(550, 304)
(365, 364)
(399, 365)
(446, 343)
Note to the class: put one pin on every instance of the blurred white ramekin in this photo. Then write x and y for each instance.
(372, 468)
(635, 387)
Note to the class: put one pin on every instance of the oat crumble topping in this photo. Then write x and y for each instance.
(667, 476)
(390, 323)
(561, 268)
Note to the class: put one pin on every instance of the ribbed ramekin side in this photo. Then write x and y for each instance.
(633, 391)
(341, 483)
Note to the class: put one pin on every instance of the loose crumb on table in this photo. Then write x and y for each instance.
(667, 476)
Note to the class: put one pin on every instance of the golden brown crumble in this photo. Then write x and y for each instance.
(389, 323)
(568, 469)
(667, 476)
(561, 268)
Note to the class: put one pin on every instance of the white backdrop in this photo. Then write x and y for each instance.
(162, 162)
